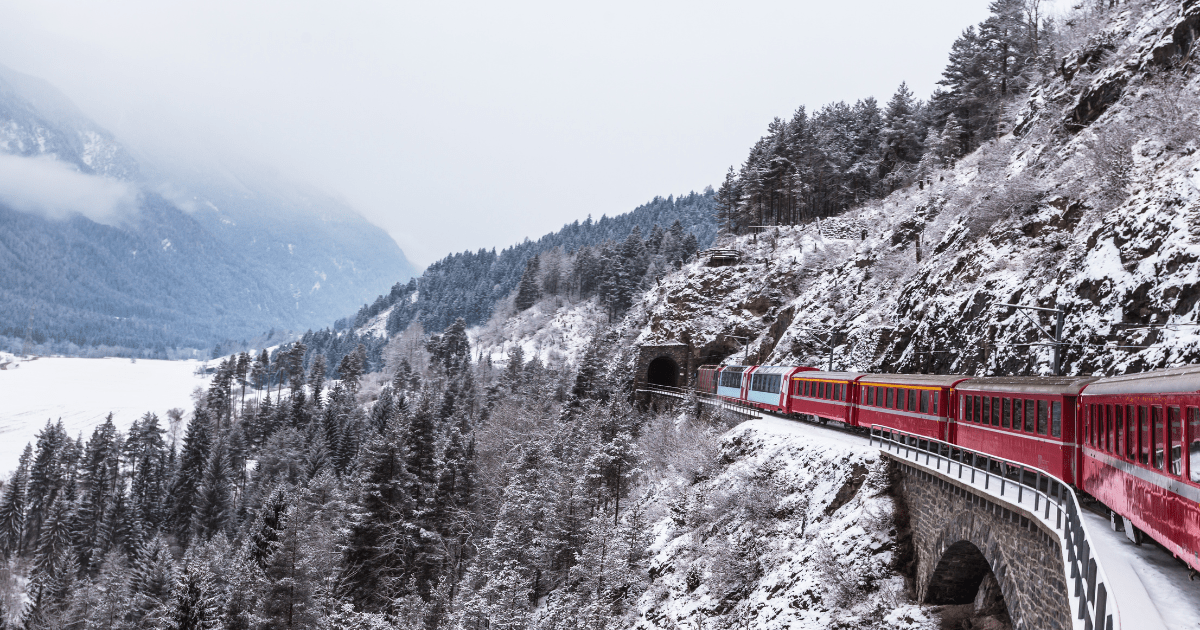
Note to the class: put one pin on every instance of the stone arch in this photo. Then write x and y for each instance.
(663, 370)
(972, 567)
(958, 575)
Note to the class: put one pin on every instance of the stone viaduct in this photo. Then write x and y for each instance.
(968, 547)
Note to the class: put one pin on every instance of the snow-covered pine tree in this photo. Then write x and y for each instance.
(215, 496)
(527, 291)
(316, 379)
(185, 487)
(152, 580)
(194, 602)
(12, 506)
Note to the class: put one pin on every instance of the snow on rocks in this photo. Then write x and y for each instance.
(912, 282)
(554, 330)
(795, 531)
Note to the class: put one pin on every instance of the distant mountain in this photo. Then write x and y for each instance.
(100, 250)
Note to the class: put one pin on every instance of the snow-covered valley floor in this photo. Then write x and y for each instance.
(81, 392)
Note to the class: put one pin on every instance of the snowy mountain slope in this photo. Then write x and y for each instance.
(555, 331)
(798, 531)
(139, 256)
(1092, 206)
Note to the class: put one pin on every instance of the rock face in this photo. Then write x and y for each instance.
(796, 530)
(1092, 206)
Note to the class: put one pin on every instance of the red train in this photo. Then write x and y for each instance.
(1132, 442)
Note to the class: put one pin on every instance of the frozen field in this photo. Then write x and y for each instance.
(82, 392)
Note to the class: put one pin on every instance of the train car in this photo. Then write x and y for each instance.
(732, 381)
(1140, 443)
(768, 386)
(826, 395)
(1031, 420)
(706, 379)
(915, 403)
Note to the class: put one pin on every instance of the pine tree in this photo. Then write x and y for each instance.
(12, 506)
(47, 476)
(152, 580)
(527, 291)
(95, 525)
(215, 500)
(901, 134)
(378, 534)
(513, 373)
(352, 367)
(185, 488)
(316, 379)
(194, 603)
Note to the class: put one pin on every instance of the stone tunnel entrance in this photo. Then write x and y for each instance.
(663, 371)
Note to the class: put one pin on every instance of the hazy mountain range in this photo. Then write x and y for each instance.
(103, 248)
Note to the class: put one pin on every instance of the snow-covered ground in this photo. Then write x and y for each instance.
(796, 532)
(81, 392)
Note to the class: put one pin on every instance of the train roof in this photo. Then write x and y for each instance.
(774, 369)
(915, 380)
(1046, 385)
(1180, 379)
(829, 376)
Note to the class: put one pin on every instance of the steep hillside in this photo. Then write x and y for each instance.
(103, 253)
(1090, 205)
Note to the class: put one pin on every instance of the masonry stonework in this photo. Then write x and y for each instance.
(1025, 559)
(674, 351)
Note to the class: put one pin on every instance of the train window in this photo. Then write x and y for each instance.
(1144, 435)
(900, 398)
(1117, 432)
(1108, 428)
(890, 396)
(1029, 411)
(870, 394)
(1005, 412)
(1016, 414)
(987, 410)
(978, 405)
(995, 411)
(1056, 419)
(1131, 435)
(924, 401)
(912, 400)
(933, 398)
(837, 391)
(1105, 427)
(1043, 413)
(1193, 436)
(1175, 440)
(1156, 435)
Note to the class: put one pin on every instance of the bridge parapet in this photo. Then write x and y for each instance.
(1013, 514)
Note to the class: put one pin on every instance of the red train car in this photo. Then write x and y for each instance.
(827, 395)
(1031, 420)
(706, 378)
(1140, 456)
(915, 403)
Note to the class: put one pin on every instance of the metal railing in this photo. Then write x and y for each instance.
(1054, 504)
(735, 405)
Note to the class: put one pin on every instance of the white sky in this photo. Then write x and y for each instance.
(458, 125)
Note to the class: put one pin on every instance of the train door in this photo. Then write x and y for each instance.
(950, 405)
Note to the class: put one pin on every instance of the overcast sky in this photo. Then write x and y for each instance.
(459, 125)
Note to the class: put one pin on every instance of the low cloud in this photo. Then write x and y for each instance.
(55, 190)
